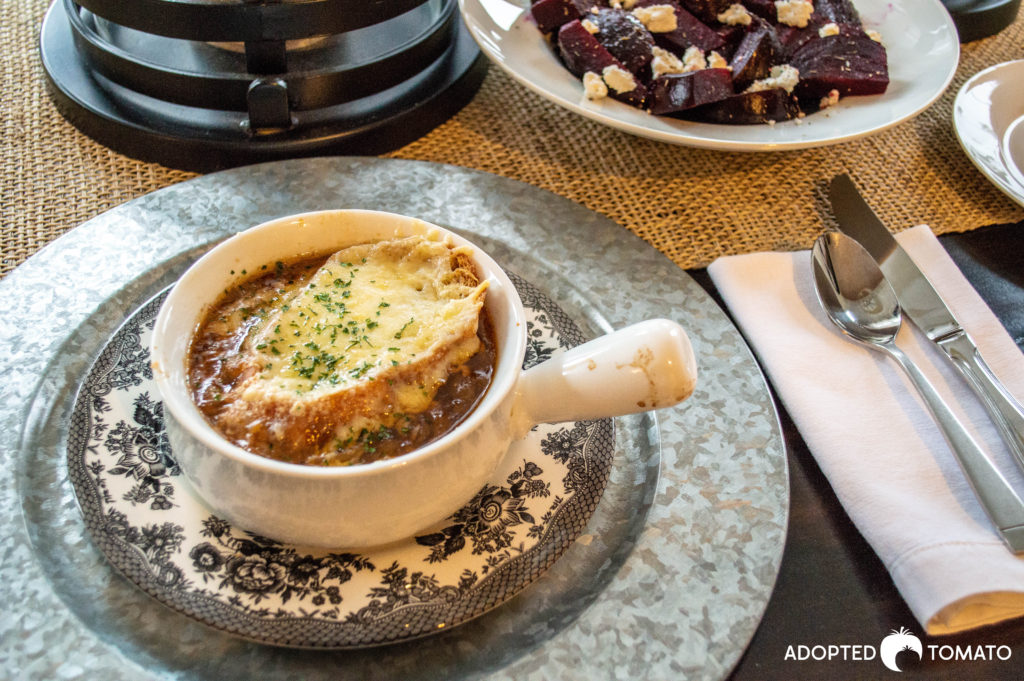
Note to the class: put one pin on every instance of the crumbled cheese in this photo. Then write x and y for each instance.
(594, 86)
(665, 62)
(622, 4)
(618, 79)
(828, 29)
(794, 12)
(831, 100)
(591, 27)
(657, 18)
(785, 77)
(717, 61)
(693, 59)
(735, 15)
(875, 35)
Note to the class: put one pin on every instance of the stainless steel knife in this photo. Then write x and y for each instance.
(922, 304)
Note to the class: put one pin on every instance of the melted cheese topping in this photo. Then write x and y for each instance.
(371, 335)
(368, 309)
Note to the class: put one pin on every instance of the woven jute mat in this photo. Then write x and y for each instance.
(694, 205)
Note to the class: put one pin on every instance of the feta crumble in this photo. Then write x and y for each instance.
(735, 15)
(593, 86)
(665, 62)
(794, 12)
(831, 100)
(618, 79)
(875, 35)
(717, 61)
(591, 27)
(657, 18)
(785, 77)
(828, 29)
(693, 59)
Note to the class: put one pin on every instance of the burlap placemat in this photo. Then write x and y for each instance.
(692, 204)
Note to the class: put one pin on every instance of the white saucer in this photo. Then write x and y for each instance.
(987, 117)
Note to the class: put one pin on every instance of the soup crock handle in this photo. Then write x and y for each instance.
(649, 365)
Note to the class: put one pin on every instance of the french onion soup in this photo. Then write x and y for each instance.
(361, 355)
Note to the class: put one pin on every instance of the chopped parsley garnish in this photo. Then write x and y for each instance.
(398, 334)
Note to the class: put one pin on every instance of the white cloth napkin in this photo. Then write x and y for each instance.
(875, 440)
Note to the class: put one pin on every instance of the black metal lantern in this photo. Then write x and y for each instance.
(208, 84)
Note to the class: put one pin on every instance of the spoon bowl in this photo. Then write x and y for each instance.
(853, 291)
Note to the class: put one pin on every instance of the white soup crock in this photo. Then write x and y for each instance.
(645, 366)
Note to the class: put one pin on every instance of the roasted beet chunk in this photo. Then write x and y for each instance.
(585, 6)
(755, 55)
(580, 50)
(690, 31)
(678, 92)
(836, 11)
(582, 54)
(793, 39)
(731, 36)
(707, 10)
(851, 64)
(748, 108)
(552, 14)
(762, 8)
(625, 37)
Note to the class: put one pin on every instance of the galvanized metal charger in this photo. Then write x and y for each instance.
(669, 579)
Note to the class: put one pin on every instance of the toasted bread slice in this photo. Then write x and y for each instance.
(368, 338)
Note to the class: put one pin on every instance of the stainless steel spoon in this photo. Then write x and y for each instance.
(858, 298)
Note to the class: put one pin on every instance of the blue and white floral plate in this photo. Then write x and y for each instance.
(146, 520)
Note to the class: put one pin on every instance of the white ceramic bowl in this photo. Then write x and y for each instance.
(645, 366)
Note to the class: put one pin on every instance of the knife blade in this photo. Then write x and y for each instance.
(925, 308)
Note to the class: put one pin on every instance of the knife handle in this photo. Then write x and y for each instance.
(998, 499)
(1006, 412)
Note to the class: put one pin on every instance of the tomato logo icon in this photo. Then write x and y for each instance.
(897, 642)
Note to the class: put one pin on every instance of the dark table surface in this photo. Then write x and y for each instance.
(832, 589)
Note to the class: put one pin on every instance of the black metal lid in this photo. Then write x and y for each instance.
(204, 106)
(976, 19)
